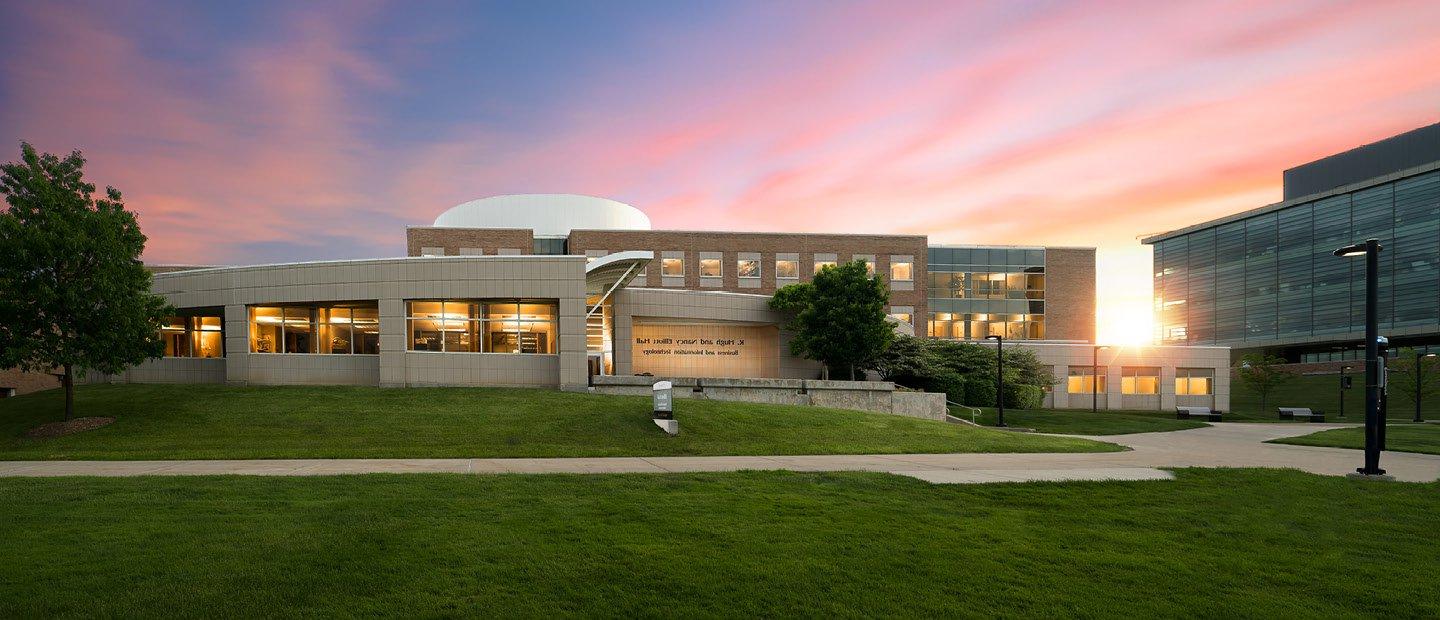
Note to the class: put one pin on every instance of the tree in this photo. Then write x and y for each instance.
(1401, 366)
(838, 318)
(963, 370)
(73, 292)
(1262, 374)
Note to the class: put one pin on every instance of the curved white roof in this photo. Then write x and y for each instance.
(549, 215)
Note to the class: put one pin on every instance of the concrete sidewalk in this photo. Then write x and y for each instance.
(1220, 445)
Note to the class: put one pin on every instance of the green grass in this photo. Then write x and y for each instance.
(1322, 392)
(220, 422)
(1423, 438)
(1215, 543)
(1082, 421)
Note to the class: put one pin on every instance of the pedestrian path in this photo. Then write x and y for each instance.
(1220, 445)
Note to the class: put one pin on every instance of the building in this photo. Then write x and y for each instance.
(1266, 279)
(559, 291)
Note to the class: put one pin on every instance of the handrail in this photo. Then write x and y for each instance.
(974, 411)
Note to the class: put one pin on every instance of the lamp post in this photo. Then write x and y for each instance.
(1343, 386)
(999, 378)
(1418, 359)
(1095, 379)
(1370, 249)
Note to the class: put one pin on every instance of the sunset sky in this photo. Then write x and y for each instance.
(250, 132)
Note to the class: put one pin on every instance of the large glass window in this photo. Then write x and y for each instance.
(710, 268)
(1194, 381)
(1082, 380)
(333, 329)
(1139, 380)
(672, 267)
(901, 271)
(821, 264)
(747, 268)
(194, 336)
(787, 268)
(482, 326)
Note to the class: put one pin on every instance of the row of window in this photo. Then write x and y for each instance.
(977, 326)
(785, 268)
(1142, 380)
(193, 336)
(482, 326)
(977, 285)
(332, 329)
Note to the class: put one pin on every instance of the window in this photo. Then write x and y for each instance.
(869, 261)
(1082, 380)
(193, 336)
(904, 314)
(1139, 380)
(901, 271)
(787, 268)
(710, 268)
(337, 329)
(1194, 381)
(821, 264)
(747, 267)
(672, 267)
(550, 246)
(482, 326)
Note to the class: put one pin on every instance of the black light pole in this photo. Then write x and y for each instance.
(1418, 359)
(1095, 379)
(1343, 387)
(1371, 251)
(999, 379)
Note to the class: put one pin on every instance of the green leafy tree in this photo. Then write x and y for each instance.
(1401, 366)
(965, 371)
(1262, 374)
(838, 318)
(73, 292)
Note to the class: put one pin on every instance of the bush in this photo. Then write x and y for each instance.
(950, 383)
(1023, 396)
(979, 391)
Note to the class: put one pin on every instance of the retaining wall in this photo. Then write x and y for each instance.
(873, 396)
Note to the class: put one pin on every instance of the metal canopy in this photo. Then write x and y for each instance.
(605, 275)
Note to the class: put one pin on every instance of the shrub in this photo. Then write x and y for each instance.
(949, 382)
(979, 391)
(1023, 396)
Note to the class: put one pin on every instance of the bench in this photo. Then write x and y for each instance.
(1301, 413)
(1205, 413)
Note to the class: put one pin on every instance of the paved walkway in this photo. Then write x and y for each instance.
(1220, 445)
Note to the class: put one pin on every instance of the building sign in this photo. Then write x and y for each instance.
(706, 350)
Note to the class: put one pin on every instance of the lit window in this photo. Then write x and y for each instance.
(869, 263)
(787, 269)
(747, 268)
(337, 329)
(1082, 380)
(482, 326)
(193, 336)
(901, 271)
(710, 268)
(1139, 380)
(821, 264)
(903, 317)
(673, 267)
(1194, 381)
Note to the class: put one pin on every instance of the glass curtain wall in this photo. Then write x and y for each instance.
(976, 292)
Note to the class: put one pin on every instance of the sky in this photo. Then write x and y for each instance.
(258, 132)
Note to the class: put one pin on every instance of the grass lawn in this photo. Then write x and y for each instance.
(1322, 392)
(1215, 543)
(1423, 438)
(1082, 421)
(221, 422)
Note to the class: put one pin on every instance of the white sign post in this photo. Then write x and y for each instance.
(663, 393)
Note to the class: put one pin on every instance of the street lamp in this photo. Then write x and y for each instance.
(1418, 359)
(1095, 379)
(1344, 385)
(999, 378)
(1370, 249)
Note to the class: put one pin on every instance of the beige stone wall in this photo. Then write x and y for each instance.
(873, 396)
(705, 350)
(389, 282)
(27, 382)
(1060, 357)
(1070, 294)
(639, 306)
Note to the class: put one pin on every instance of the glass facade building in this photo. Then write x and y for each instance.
(1268, 279)
(976, 292)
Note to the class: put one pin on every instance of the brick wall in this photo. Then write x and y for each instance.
(731, 244)
(489, 240)
(1070, 294)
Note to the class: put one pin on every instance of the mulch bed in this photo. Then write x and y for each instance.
(60, 429)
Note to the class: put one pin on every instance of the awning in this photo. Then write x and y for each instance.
(607, 274)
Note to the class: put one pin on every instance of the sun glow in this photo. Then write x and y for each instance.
(1124, 324)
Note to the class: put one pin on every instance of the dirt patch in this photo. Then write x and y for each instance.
(60, 429)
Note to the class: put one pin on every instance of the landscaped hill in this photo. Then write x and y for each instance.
(1323, 392)
(223, 422)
